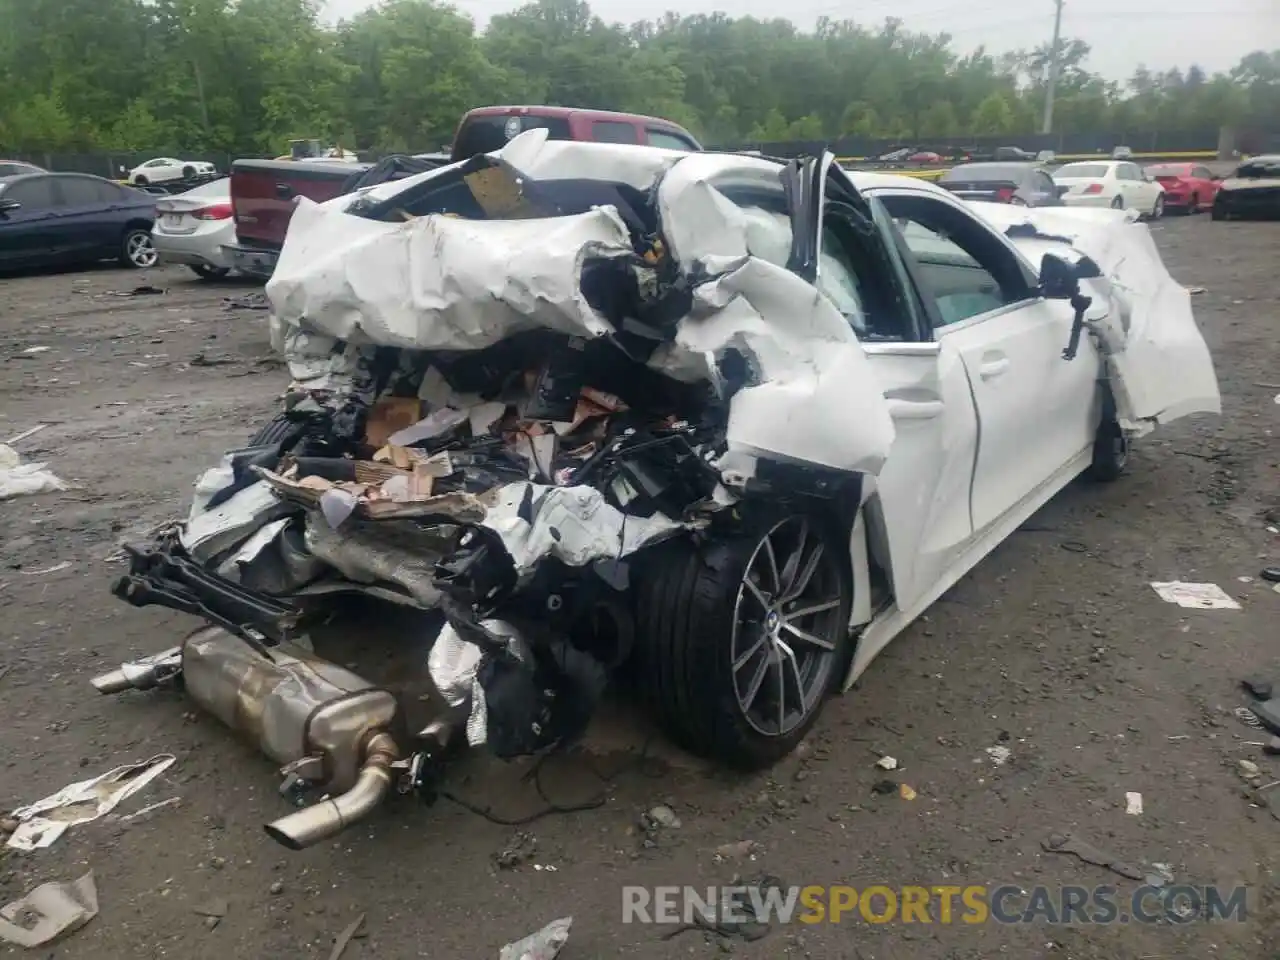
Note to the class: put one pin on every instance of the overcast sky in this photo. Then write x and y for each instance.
(1122, 33)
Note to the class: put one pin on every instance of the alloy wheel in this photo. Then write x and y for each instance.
(139, 249)
(787, 628)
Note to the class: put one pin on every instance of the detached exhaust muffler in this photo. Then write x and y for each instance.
(328, 727)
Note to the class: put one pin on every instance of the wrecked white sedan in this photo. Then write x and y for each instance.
(717, 425)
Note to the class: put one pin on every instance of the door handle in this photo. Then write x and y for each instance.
(915, 409)
(284, 191)
(993, 366)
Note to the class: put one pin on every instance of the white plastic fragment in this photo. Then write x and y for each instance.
(49, 911)
(337, 505)
(1133, 804)
(887, 763)
(43, 822)
(575, 525)
(19, 479)
(1197, 596)
(999, 754)
(545, 944)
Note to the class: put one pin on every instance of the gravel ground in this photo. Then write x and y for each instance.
(1055, 647)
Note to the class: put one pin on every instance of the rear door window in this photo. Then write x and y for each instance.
(490, 132)
(613, 131)
(83, 192)
(669, 141)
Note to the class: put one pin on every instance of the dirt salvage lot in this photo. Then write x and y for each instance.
(1056, 647)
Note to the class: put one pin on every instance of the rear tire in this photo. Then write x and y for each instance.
(188, 172)
(205, 272)
(137, 250)
(1193, 204)
(1117, 203)
(1157, 208)
(141, 180)
(1217, 213)
(718, 652)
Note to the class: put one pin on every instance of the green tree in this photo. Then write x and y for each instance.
(992, 116)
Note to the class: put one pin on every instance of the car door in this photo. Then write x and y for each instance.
(1037, 413)
(1143, 191)
(1046, 191)
(1205, 186)
(28, 232)
(85, 220)
(921, 498)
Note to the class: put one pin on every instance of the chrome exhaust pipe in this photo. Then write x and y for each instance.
(329, 817)
(141, 674)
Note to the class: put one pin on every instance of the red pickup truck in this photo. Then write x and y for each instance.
(263, 192)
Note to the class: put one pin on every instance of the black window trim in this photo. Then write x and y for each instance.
(930, 302)
(651, 128)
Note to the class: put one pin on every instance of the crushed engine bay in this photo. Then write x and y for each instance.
(507, 387)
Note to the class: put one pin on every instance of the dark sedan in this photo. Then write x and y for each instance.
(68, 218)
(1253, 191)
(12, 168)
(1024, 184)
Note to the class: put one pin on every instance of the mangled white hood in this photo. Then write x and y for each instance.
(441, 282)
(1158, 363)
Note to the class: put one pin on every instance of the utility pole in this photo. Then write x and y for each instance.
(1053, 67)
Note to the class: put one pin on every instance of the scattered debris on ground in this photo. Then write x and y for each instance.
(1198, 596)
(45, 571)
(351, 931)
(520, 849)
(250, 301)
(43, 822)
(999, 754)
(662, 817)
(545, 944)
(738, 914)
(18, 479)
(1133, 804)
(1071, 844)
(49, 911)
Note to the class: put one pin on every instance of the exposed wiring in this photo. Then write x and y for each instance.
(552, 807)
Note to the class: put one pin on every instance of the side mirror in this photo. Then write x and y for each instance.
(1059, 280)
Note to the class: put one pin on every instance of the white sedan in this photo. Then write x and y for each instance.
(164, 169)
(864, 384)
(1119, 184)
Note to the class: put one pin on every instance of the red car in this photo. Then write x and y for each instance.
(1188, 187)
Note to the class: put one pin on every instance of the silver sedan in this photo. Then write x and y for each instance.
(191, 228)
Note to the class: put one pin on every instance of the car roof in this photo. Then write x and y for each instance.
(565, 112)
(1002, 164)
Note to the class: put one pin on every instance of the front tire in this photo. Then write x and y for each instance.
(137, 249)
(742, 639)
(140, 180)
(188, 172)
(1193, 204)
